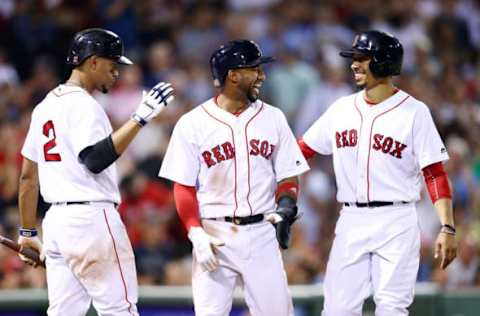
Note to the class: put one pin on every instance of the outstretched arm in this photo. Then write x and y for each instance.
(101, 155)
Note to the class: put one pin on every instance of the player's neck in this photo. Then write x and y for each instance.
(379, 92)
(231, 105)
(78, 79)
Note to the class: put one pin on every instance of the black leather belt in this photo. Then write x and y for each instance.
(83, 203)
(244, 220)
(374, 203)
(77, 202)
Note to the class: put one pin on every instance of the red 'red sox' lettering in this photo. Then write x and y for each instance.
(226, 151)
(347, 138)
(263, 148)
(218, 154)
(388, 145)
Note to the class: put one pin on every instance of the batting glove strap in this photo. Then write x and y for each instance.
(139, 120)
(27, 232)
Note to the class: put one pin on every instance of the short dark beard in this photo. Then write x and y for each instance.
(252, 98)
(360, 86)
(104, 89)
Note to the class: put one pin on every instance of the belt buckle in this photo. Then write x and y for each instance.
(237, 220)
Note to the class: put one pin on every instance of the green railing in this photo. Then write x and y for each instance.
(429, 300)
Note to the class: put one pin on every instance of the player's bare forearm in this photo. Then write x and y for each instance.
(123, 136)
(446, 244)
(444, 210)
(28, 194)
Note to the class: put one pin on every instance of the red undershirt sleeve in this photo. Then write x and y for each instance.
(436, 180)
(306, 150)
(187, 205)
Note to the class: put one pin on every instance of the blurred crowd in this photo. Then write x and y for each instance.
(171, 40)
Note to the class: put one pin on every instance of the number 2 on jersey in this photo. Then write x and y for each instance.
(51, 143)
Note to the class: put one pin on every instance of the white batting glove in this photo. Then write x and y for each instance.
(273, 218)
(34, 243)
(203, 246)
(153, 102)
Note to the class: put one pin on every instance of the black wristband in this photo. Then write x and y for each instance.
(450, 227)
(27, 232)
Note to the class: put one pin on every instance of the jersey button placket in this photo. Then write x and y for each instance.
(363, 155)
(242, 164)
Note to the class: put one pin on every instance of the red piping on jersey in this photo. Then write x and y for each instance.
(118, 262)
(248, 156)
(237, 113)
(234, 156)
(361, 125)
(370, 145)
(372, 103)
(65, 93)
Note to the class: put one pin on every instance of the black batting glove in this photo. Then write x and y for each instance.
(283, 218)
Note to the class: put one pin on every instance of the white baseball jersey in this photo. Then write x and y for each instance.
(234, 161)
(378, 151)
(67, 121)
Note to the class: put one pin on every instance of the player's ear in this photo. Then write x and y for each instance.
(233, 75)
(94, 61)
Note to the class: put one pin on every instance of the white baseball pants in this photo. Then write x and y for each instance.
(374, 249)
(89, 258)
(250, 258)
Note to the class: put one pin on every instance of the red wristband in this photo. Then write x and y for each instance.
(288, 188)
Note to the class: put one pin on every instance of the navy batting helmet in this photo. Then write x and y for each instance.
(98, 42)
(233, 55)
(385, 51)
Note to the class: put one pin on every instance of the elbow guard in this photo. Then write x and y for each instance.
(99, 156)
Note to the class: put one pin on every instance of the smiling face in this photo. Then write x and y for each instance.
(361, 71)
(250, 81)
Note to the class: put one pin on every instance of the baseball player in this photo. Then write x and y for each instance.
(381, 139)
(234, 163)
(68, 155)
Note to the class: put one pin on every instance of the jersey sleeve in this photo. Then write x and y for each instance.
(29, 149)
(88, 123)
(317, 137)
(181, 163)
(427, 143)
(288, 160)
